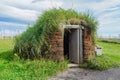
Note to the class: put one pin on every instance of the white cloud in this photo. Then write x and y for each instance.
(110, 18)
(21, 14)
(113, 8)
(105, 10)
(47, 4)
(28, 4)
(98, 6)
(26, 10)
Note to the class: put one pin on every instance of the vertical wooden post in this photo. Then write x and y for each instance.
(81, 45)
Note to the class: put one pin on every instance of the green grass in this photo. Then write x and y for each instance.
(109, 59)
(112, 50)
(13, 68)
(111, 40)
(6, 45)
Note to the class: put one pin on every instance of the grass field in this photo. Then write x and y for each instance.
(111, 50)
(109, 40)
(12, 68)
(110, 57)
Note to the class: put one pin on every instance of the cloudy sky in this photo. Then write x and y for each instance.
(15, 15)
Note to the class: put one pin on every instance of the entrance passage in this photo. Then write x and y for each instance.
(73, 44)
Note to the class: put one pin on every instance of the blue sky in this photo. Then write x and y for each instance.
(15, 15)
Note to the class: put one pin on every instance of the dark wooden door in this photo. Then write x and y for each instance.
(74, 46)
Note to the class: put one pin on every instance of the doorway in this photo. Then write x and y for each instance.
(73, 45)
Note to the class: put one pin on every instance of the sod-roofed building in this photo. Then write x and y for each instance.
(59, 34)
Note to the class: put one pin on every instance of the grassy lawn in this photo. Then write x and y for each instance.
(12, 68)
(112, 50)
(6, 45)
(110, 57)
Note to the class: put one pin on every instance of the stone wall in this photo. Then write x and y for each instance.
(56, 52)
(88, 44)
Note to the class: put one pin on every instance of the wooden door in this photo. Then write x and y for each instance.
(74, 47)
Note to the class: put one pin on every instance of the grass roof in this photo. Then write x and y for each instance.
(30, 43)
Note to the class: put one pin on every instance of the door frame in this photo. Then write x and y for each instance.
(77, 27)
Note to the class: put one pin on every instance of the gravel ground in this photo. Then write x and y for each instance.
(84, 74)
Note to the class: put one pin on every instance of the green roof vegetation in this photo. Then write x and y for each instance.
(33, 42)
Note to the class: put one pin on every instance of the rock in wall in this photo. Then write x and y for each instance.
(88, 44)
(56, 52)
